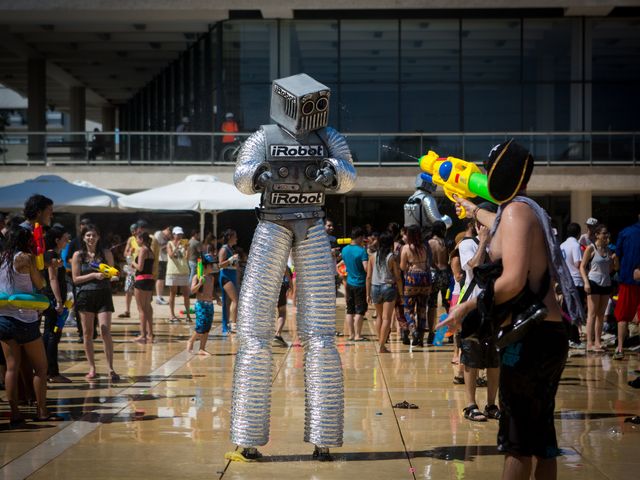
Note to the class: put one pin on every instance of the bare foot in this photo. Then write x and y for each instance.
(204, 352)
(140, 339)
(384, 349)
(91, 375)
(190, 347)
(150, 338)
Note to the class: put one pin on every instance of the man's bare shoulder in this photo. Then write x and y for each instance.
(517, 213)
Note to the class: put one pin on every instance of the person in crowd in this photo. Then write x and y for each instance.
(19, 327)
(55, 241)
(178, 273)
(384, 285)
(143, 286)
(94, 298)
(195, 252)
(440, 275)
(204, 289)
(477, 352)
(398, 322)
(589, 237)
(130, 252)
(415, 265)
(228, 264)
(572, 254)
(67, 254)
(162, 239)
(183, 142)
(597, 264)
(459, 280)
(355, 259)
(98, 145)
(628, 305)
(531, 365)
(282, 308)
(37, 209)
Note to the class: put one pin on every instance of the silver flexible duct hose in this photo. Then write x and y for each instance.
(340, 160)
(250, 157)
(253, 371)
(324, 403)
(430, 208)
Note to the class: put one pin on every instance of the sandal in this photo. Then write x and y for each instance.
(406, 405)
(473, 413)
(125, 315)
(492, 411)
(114, 377)
(635, 383)
(458, 380)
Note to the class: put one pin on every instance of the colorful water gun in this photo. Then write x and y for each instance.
(455, 176)
(200, 270)
(38, 240)
(107, 270)
(347, 241)
(62, 318)
(341, 268)
(27, 301)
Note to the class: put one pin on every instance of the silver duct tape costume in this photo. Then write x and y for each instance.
(421, 208)
(292, 163)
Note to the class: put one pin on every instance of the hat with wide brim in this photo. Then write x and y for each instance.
(508, 170)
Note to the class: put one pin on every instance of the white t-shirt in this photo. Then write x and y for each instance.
(572, 253)
(162, 242)
(584, 240)
(468, 248)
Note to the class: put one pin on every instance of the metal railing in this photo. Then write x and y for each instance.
(368, 149)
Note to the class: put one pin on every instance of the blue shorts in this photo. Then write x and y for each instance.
(204, 316)
(22, 332)
(383, 293)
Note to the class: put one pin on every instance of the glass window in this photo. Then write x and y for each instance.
(551, 49)
(491, 50)
(615, 49)
(430, 108)
(369, 107)
(247, 51)
(492, 108)
(615, 107)
(430, 50)
(253, 106)
(369, 51)
(313, 48)
(547, 107)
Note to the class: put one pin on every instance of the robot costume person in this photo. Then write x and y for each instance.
(292, 163)
(421, 208)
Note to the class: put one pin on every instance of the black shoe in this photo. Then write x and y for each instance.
(417, 339)
(251, 453)
(322, 454)
(430, 338)
(405, 337)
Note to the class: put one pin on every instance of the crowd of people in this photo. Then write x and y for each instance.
(406, 274)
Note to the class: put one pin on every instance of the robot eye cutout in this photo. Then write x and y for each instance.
(307, 107)
(321, 104)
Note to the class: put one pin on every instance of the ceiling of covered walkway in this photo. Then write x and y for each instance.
(114, 48)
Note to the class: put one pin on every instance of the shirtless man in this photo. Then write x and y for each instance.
(532, 365)
(440, 275)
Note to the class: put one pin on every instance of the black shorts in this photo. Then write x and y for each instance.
(530, 371)
(162, 270)
(94, 301)
(356, 300)
(598, 290)
(282, 298)
(476, 353)
(22, 332)
(144, 285)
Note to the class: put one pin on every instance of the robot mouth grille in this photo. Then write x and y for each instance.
(290, 107)
(315, 121)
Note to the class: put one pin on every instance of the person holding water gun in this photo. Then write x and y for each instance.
(38, 211)
(203, 286)
(56, 239)
(19, 326)
(94, 298)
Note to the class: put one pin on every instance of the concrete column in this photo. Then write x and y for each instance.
(77, 118)
(36, 111)
(581, 203)
(108, 125)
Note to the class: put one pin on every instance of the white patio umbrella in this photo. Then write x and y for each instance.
(200, 193)
(66, 196)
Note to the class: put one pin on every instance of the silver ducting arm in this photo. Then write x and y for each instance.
(250, 158)
(340, 160)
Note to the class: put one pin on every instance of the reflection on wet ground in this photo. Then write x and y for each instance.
(168, 416)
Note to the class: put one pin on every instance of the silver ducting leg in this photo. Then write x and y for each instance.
(316, 300)
(253, 371)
